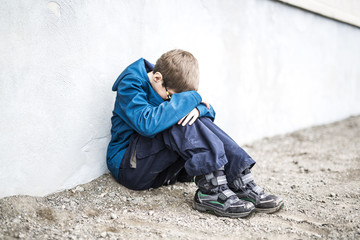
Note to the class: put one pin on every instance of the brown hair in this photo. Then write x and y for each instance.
(180, 70)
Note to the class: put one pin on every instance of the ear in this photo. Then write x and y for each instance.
(158, 77)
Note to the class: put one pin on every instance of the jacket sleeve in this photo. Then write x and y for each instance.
(205, 112)
(144, 117)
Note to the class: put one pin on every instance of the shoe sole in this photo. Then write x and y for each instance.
(206, 208)
(270, 210)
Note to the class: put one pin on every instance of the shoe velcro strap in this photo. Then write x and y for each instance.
(226, 194)
(247, 178)
(217, 181)
(258, 189)
(254, 196)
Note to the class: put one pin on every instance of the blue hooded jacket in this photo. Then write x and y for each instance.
(139, 108)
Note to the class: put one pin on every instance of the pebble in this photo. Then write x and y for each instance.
(151, 213)
(103, 234)
(112, 194)
(123, 198)
(113, 216)
(16, 220)
(332, 194)
(79, 189)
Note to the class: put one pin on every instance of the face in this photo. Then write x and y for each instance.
(168, 93)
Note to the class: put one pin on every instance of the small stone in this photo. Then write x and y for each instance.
(332, 195)
(103, 234)
(316, 235)
(16, 220)
(66, 200)
(113, 216)
(112, 194)
(79, 189)
(281, 183)
(151, 213)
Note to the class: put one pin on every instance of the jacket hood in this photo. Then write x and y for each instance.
(140, 68)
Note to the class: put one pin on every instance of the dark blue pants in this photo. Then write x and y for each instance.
(200, 148)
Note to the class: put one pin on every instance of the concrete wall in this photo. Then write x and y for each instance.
(267, 68)
(346, 11)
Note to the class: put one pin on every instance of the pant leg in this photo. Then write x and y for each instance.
(153, 164)
(201, 148)
(202, 151)
(158, 159)
(238, 159)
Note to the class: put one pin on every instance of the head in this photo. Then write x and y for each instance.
(177, 71)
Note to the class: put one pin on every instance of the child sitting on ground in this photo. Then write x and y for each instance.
(162, 132)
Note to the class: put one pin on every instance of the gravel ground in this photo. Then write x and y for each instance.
(315, 170)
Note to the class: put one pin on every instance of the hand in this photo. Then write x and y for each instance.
(206, 104)
(192, 116)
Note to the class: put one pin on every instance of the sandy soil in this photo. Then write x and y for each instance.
(315, 170)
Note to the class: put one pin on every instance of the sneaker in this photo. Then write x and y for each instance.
(246, 189)
(214, 196)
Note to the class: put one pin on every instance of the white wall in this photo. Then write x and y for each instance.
(267, 68)
(347, 11)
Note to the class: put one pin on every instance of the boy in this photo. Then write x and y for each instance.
(162, 132)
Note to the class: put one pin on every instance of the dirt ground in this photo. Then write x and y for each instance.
(315, 170)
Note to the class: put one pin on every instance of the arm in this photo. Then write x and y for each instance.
(147, 119)
(205, 111)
